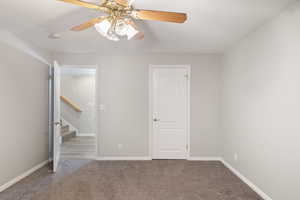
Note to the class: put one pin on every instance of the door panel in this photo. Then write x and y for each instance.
(170, 111)
(56, 116)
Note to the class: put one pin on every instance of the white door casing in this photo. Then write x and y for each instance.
(56, 116)
(169, 111)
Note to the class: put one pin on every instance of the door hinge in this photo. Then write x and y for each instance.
(50, 77)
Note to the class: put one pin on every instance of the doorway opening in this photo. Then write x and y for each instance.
(78, 138)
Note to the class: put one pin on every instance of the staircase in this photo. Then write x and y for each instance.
(66, 133)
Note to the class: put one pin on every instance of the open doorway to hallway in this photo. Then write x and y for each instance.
(78, 113)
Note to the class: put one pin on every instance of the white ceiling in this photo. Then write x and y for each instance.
(212, 26)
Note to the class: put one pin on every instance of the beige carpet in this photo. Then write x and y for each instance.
(144, 180)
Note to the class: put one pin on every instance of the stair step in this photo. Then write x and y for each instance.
(68, 135)
(64, 129)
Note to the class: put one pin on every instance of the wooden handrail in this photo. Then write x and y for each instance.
(70, 103)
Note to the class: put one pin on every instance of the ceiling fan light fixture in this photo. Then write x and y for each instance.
(112, 36)
(103, 27)
(121, 27)
(131, 32)
(119, 19)
(112, 30)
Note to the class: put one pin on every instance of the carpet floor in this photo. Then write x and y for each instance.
(133, 180)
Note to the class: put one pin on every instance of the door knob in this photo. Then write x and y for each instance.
(156, 120)
(57, 123)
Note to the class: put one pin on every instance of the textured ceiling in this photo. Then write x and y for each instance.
(212, 26)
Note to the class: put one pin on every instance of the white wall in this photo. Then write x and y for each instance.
(123, 89)
(27, 48)
(23, 112)
(81, 90)
(261, 106)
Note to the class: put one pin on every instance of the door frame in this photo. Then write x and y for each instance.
(150, 106)
(96, 107)
(50, 112)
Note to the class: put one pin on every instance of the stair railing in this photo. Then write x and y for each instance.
(71, 103)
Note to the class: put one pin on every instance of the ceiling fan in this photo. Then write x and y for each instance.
(119, 19)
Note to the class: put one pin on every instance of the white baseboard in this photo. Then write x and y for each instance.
(123, 158)
(86, 134)
(80, 157)
(149, 158)
(25, 174)
(247, 181)
(192, 158)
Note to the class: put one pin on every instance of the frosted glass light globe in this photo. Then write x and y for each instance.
(121, 28)
(112, 36)
(103, 27)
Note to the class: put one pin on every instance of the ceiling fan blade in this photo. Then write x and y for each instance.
(122, 2)
(88, 24)
(161, 16)
(83, 3)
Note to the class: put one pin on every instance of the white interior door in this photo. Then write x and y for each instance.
(170, 97)
(56, 115)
